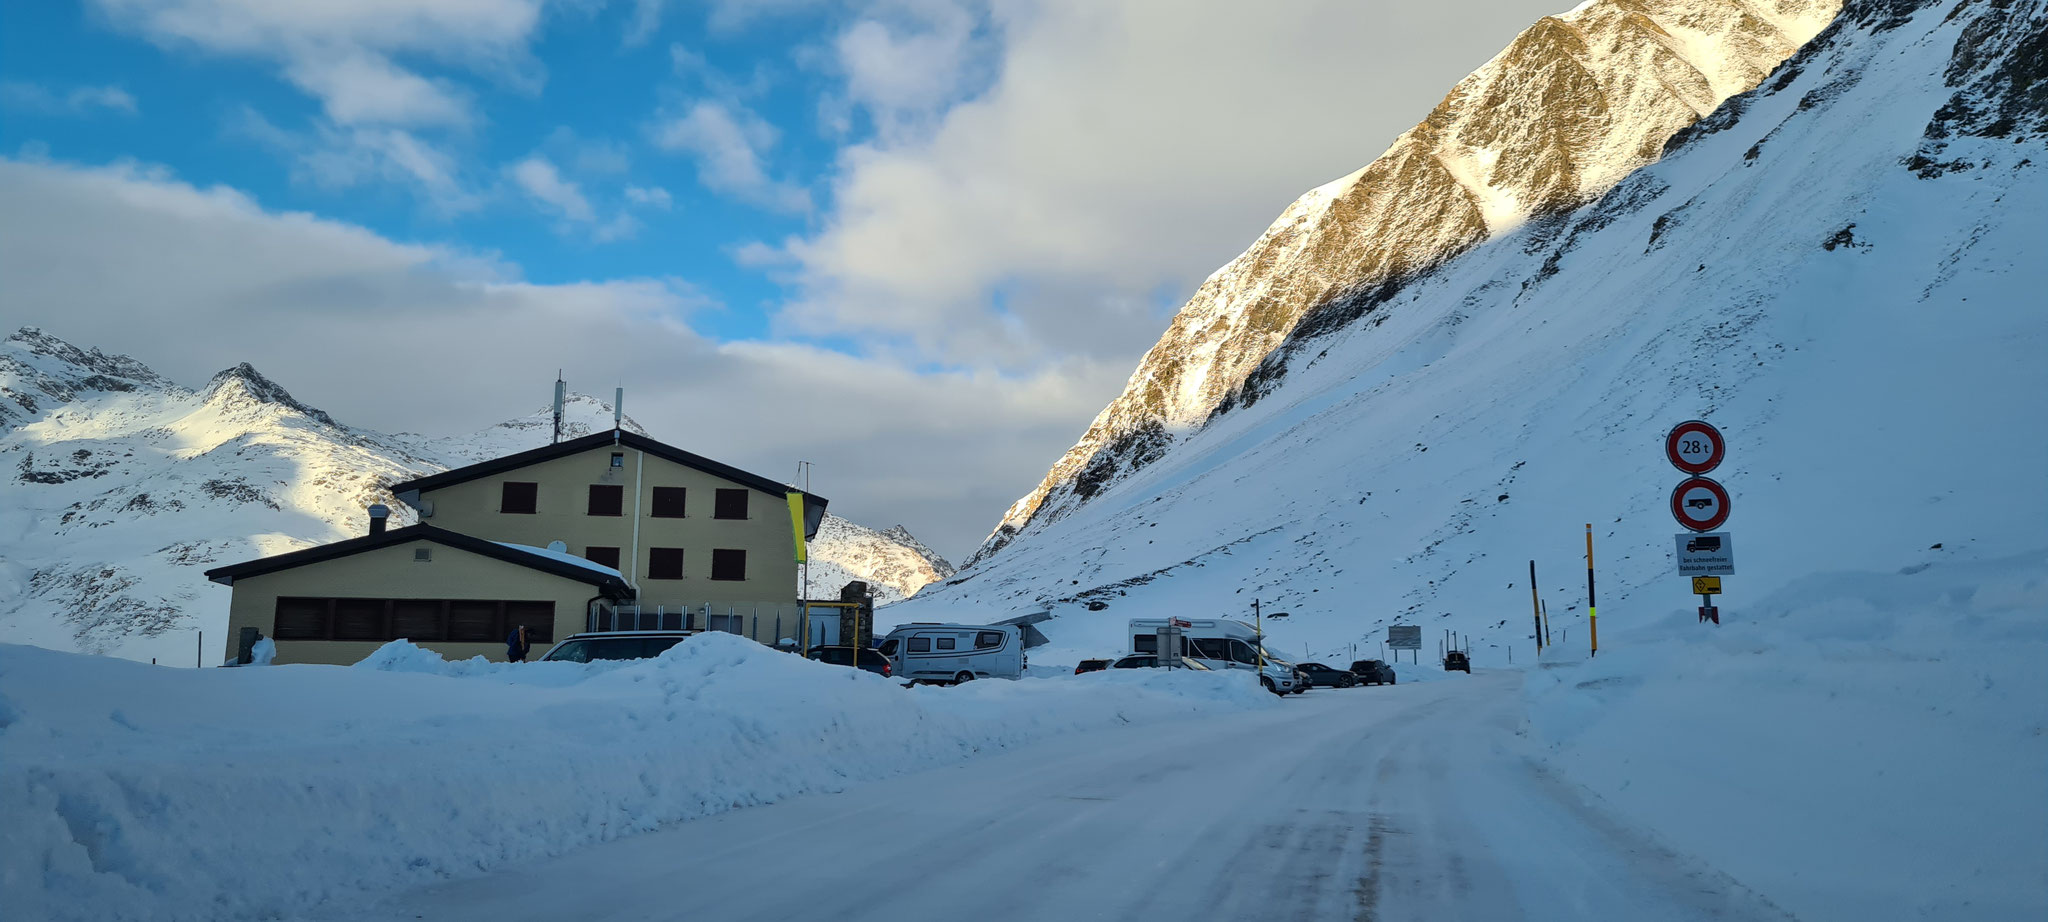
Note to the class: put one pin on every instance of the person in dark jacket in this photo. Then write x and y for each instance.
(517, 645)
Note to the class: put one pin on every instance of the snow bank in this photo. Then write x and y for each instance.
(1856, 746)
(138, 792)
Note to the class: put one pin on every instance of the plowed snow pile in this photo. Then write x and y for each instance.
(140, 792)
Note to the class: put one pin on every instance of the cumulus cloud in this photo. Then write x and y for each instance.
(1119, 153)
(408, 336)
(728, 142)
(334, 157)
(649, 196)
(79, 100)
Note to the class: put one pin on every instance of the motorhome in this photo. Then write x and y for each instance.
(926, 652)
(1218, 643)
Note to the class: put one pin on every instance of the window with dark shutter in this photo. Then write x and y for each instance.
(667, 562)
(731, 504)
(416, 620)
(728, 563)
(300, 619)
(602, 556)
(519, 498)
(475, 622)
(607, 499)
(668, 502)
(358, 619)
(539, 618)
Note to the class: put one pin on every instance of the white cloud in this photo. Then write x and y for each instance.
(335, 157)
(649, 196)
(1119, 152)
(404, 336)
(78, 100)
(906, 60)
(543, 183)
(728, 142)
(346, 53)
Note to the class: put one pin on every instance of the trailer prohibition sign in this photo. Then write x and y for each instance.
(1695, 447)
(1699, 504)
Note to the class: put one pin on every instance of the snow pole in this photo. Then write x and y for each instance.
(1535, 608)
(1592, 606)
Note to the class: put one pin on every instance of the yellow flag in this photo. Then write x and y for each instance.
(796, 521)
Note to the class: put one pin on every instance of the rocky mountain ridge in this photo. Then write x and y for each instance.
(1570, 107)
(118, 486)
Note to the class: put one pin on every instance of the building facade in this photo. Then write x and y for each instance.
(643, 530)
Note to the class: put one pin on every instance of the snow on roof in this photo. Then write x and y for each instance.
(563, 556)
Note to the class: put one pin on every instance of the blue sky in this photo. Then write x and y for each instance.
(928, 239)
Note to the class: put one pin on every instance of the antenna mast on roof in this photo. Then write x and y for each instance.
(561, 388)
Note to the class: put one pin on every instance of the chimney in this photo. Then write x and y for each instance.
(380, 514)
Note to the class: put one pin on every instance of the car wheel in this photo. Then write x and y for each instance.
(963, 677)
(1268, 685)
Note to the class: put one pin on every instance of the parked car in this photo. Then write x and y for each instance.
(607, 645)
(1091, 665)
(1151, 661)
(1456, 660)
(1319, 674)
(1373, 672)
(871, 660)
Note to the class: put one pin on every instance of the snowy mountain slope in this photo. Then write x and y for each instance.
(1864, 327)
(1571, 106)
(893, 563)
(118, 487)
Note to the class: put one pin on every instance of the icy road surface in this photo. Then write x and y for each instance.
(1414, 802)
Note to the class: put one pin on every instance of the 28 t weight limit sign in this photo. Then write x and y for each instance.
(1695, 447)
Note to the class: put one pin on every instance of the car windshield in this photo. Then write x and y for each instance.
(590, 649)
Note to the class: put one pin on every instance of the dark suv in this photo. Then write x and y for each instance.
(1373, 672)
(1457, 661)
(1319, 674)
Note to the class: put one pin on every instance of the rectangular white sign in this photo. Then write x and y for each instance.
(1706, 554)
(1405, 637)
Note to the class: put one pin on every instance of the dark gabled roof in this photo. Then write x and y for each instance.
(610, 584)
(410, 490)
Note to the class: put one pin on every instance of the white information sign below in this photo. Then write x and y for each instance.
(1404, 636)
(1706, 554)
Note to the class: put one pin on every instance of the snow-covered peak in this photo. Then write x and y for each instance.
(38, 371)
(893, 563)
(243, 385)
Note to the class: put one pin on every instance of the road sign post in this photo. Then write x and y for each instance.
(1701, 505)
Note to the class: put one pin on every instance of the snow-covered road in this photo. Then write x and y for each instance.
(1415, 802)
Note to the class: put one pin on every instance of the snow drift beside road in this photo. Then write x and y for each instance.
(139, 792)
(1867, 746)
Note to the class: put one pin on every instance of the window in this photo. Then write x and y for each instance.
(666, 562)
(417, 620)
(475, 622)
(945, 643)
(988, 640)
(728, 563)
(519, 498)
(618, 460)
(1242, 652)
(300, 619)
(888, 647)
(920, 645)
(1216, 648)
(731, 504)
(607, 499)
(602, 556)
(668, 503)
(1145, 643)
(423, 555)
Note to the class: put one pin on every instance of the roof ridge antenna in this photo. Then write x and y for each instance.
(560, 389)
(618, 412)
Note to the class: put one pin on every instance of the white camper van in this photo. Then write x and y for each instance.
(955, 652)
(1217, 643)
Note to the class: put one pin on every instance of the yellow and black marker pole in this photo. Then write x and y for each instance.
(1592, 605)
(1535, 609)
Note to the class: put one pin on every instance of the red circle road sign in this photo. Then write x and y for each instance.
(1695, 447)
(1699, 504)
